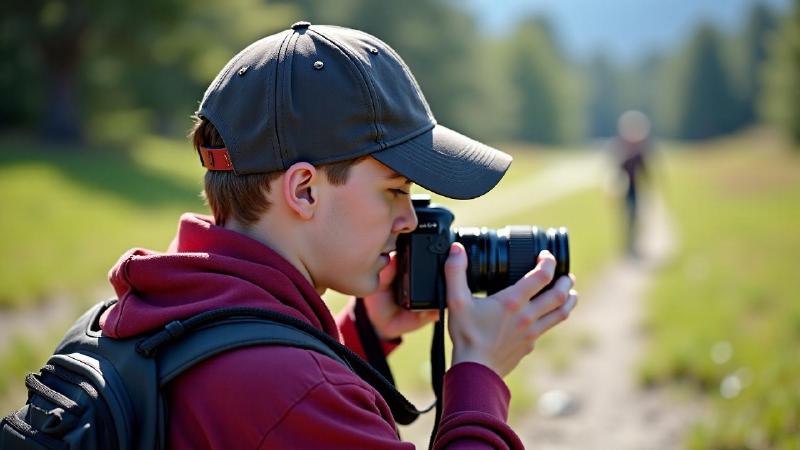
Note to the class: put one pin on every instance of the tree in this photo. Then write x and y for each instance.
(159, 81)
(780, 102)
(760, 22)
(56, 35)
(641, 85)
(97, 59)
(547, 95)
(604, 97)
(707, 104)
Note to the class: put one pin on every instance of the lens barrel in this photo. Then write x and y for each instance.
(499, 258)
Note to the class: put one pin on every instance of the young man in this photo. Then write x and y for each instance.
(312, 138)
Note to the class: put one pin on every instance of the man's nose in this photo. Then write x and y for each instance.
(407, 221)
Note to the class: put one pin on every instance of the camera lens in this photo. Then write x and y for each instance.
(499, 258)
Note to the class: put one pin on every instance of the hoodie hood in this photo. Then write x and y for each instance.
(207, 267)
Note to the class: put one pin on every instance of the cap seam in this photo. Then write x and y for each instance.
(280, 75)
(407, 72)
(369, 87)
(374, 98)
(272, 79)
(411, 135)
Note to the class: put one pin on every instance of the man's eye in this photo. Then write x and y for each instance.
(399, 192)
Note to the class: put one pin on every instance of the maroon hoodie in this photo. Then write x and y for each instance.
(271, 397)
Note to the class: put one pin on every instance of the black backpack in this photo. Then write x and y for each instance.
(101, 393)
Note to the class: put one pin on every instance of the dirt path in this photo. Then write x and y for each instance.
(596, 403)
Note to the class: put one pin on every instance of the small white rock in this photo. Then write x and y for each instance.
(557, 403)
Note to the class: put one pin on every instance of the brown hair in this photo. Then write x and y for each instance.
(243, 197)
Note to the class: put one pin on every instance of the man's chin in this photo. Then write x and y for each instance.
(363, 289)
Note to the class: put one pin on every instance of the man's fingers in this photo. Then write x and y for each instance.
(387, 274)
(546, 302)
(553, 318)
(426, 317)
(431, 316)
(455, 271)
(518, 294)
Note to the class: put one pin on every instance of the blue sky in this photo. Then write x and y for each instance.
(626, 29)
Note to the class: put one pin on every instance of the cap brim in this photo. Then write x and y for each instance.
(447, 163)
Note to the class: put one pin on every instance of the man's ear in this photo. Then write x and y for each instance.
(300, 188)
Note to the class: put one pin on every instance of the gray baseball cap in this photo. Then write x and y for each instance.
(322, 94)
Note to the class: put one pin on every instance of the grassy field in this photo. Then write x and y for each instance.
(68, 215)
(724, 317)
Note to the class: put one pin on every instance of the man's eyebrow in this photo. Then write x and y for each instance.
(396, 176)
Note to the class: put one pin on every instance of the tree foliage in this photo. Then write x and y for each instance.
(753, 42)
(708, 105)
(51, 37)
(603, 105)
(542, 83)
(73, 62)
(781, 100)
(111, 70)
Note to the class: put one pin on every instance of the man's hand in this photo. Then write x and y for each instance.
(499, 330)
(389, 320)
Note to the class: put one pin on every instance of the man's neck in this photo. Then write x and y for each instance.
(280, 246)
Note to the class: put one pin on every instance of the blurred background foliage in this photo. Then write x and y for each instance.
(104, 72)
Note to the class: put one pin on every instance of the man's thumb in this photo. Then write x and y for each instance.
(455, 272)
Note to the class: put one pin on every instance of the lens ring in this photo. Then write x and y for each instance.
(521, 247)
(563, 260)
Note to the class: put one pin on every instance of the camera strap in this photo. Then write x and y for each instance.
(376, 358)
(437, 358)
(371, 342)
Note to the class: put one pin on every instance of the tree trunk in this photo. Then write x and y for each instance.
(61, 47)
(61, 119)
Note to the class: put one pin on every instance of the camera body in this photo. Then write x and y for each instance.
(496, 258)
(421, 255)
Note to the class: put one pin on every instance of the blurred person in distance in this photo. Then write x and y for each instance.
(631, 147)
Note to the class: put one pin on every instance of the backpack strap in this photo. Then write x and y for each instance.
(404, 412)
(194, 345)
(229, 334)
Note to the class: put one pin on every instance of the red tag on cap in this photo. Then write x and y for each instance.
(216, 158)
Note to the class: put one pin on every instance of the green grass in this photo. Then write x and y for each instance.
(69, 214)
(727, 307)
(22, 355)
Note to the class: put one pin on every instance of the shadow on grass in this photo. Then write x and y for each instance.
(112, 171)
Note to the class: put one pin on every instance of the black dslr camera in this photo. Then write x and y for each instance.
(496, 258)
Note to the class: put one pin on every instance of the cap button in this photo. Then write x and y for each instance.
(301, 24)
